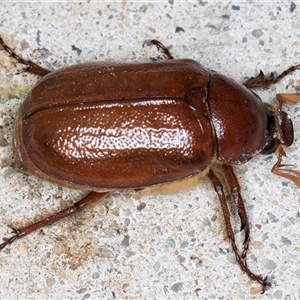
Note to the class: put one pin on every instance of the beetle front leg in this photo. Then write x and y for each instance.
(79, 205)
(31, 67)
(263, 81)
(241, 259)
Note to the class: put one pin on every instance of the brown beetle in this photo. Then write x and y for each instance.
(103, 127)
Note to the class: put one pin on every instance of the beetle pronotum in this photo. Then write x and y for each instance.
(103, 126)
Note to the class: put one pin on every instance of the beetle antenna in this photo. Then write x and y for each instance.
(281, 170)
(291, 99)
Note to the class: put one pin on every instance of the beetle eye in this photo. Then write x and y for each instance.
(270, 147)
(272, 142)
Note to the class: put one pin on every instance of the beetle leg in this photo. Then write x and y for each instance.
(160, 46)
(239, 203)
(79, 205)
(263, 81)
(31, 67)
(241, 259)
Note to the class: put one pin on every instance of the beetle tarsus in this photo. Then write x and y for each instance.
(263, 281)
(8, 241)
(31, 67)
(159, 46)
(263, 81)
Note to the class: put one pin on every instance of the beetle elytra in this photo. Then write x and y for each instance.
(103, 127)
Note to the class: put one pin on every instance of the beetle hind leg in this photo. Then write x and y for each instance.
(79, 205)
(31, 67)
(231, 181)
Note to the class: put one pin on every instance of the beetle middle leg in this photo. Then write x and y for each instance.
(79, 205)
(160, 46)
(31, 67)
(231, 181)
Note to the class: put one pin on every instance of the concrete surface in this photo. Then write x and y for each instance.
(175, 248)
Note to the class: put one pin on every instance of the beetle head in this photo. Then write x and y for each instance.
(279, 129)
(280, 132)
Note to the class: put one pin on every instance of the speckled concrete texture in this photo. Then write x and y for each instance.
(175, 247)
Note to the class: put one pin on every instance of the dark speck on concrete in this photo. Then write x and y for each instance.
(86, 296)
(176, 287)
(95, 275)
(38, 37)
(125, 242)
(178, 29)
(257, 33)
(272, 218)
(286, 241)
(235, 7)
(292, 7)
